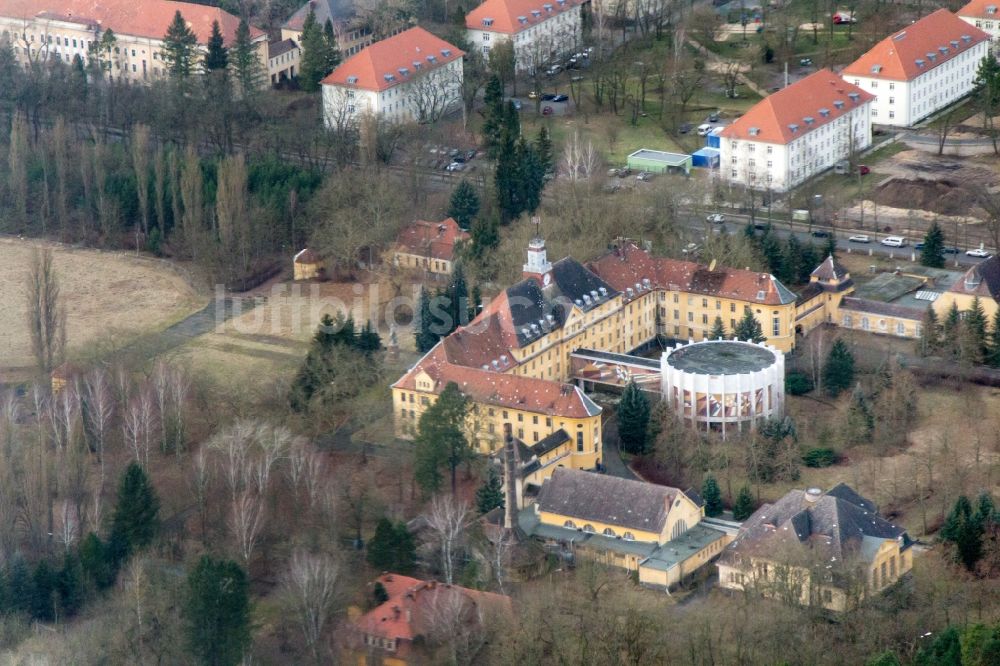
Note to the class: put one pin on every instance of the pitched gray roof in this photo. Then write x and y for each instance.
(879, 308)
(608, 499)
(830, 270)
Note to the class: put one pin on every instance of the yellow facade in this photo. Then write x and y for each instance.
(697, 559)
(410, 261)
(687, 316)
(899, 326)
(964, 302)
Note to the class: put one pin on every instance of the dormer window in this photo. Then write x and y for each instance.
(854, 97)
(966, 39)
(522, 19)
(876, 69)
(536, 13)
(991, 9)
(954, 43)
(793, 127)
(839, 103)
(432, 59)
(417, 64)
(547, 6)
(561, 3)
(754, 131)
(808, 120)
(943, 50)
(403, 71)
(824, 112)
(352, 80)
(487, 22)
(446, 53)
(389, 77)
(931, 56)
(760, 295)
(921, 62)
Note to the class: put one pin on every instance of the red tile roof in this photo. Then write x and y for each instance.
(822, 96)
(504, 390)
(408, 611)
(895, 57)
(978, 9)
(431, 239)
(369, 68)
(139, 18)
(507, 15)
(628, 265)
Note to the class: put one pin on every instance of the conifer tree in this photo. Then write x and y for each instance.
(791, 266)
(543, 148)
(217, 57)
(217, 611)
(860, 422)
(458, 298)
(180, 46)
(743, 508)
(994, 341)
(986, 511)
(808, 263)
(973, 334)
(69, 585)
(247, 68)
(930, 333)
(475, 302)
(951, 330)
(379, 593)
(493, 116)
(490, 495)
(43, 588)
(344, 333)
(315, 58)
(369, 340)
(961, 508)
(95, 561)
(20, 587)
(391, 548)
(485, 235)
(932, 253)
(464, 204)
(830, 247)
(441, 441)
(712, 495)
(748, 328)
(332, 51)
(136, 517)
(718, 329)
(633, 419)
(425, 330)
(838, 371)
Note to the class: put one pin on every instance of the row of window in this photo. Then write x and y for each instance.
(608, 532)
(900, 328)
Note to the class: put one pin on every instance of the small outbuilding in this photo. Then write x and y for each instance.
(307, 265)
(706, 158)
(658, 161)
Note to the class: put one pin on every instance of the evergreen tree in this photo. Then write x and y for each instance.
(633, 419)
(458, 299)
(464, 204)
(993, 357)
(531, 174)
(136, 518)
(441, 440)
(718, 329)
(506, 178)
(945, 650)
(887, 658)
(961, 509)
(493, 116)
(951, 330)
(809, 262)
(180, 47)
(830, 247)
(930, 333)
(312, 62)
(772, 249)
(43, 587)
(369, 340)
(95, 560)
(860, 422)
(792, 266)
(973, 334)
(217, 57)
(247, 68)
(217, 611)
(331, 51)
(838, 372)
(743, 508)
(344, 332)
(985, 509)
(20, 586)
(425, 330)
(968, 541)
(392, 548)
(490, 495)
(485, 235)
(748, 328)
(932, 253)
(543, 148)
(379, 593)
(713, 497)
(69, 584)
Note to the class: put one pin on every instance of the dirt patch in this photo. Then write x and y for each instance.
(942, 196)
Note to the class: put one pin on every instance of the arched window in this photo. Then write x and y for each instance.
(570, 524)
(628, 536)
(588, 528)
(609, 532)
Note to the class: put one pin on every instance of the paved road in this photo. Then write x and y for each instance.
(613, 464)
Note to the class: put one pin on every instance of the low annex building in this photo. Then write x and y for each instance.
(920, 69)
(541, 30)
(351, 31)
(49, 30)
(394, 632)
(796, 133)
(412, 76)
(429, 246)
(829, 549)
(652, 529)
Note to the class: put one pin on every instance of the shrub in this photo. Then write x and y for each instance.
(821, 457)
(798, 383)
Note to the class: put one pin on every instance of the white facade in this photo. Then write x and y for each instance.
(903, 103)
(780, 167)
(724, 401)
(424, 96)
(539, 44)
(990, 24)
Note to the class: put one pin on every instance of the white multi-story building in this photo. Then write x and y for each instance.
(795, 133)
(920, 69)
(985, 15)
(410, 77)
(542, 30)
(48, 30)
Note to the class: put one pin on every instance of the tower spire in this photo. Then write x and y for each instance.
(538, 266)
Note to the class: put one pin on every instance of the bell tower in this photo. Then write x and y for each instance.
(538, 266)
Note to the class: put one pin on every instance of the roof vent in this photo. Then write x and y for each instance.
(899, 36)
(586, 299)
(808, 120)
(813, 494)
(534, 328)
(352, 79)
(876, 69)
(931, 56)
(638, 287)
(593, 294)
(824, 112)
(754, 131)
(578, 302)
(496, 363)
(446, 53)
(525, 331)
(921, 62)
(646, 283)
(503, 358)
(839, 103)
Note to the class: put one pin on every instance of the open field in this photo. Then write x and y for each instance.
(109, 297)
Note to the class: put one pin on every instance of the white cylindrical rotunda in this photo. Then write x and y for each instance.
(724, 385)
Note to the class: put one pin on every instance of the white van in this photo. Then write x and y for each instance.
(893, 241)
(704, 129)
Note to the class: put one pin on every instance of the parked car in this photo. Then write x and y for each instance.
(761, 226)
(553, 70)
(822, 233)
(712, 118)
(458, 158)
(951, 250)
(470, 154)
(517, 104)
(559, 98)
(863, 170)
(548, 97)
(919, 246)
(644, 176)
(805, 62)
(893, 241)
(843, 18)
(455, 166)
(685, 128)
(859, 238)
(716, 218)
(547, 111)
(576, 79)
(704, 129)
(532, 95)
(978, 252)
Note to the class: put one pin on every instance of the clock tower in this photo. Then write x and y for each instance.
(538, 266)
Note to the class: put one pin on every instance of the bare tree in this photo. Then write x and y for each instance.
(140, 162)
(434, 93)
(313, 583)
(138, 424)
(246, 521)
(98, 412)
(456, 625)
(579, 161)
(447, 521)
(201, 481)
(272, 444)
(233, 444)
(46, 316)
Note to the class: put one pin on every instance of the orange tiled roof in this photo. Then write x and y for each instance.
(504, 390)
(411, 50)
(980, 9)
(513, 16)
(821, 97)
(628, 265)
(404, 616)
(431, 239)
(934, 39)
(139, 18)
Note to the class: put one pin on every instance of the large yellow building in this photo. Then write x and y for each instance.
(829, 549)
(513, 360)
